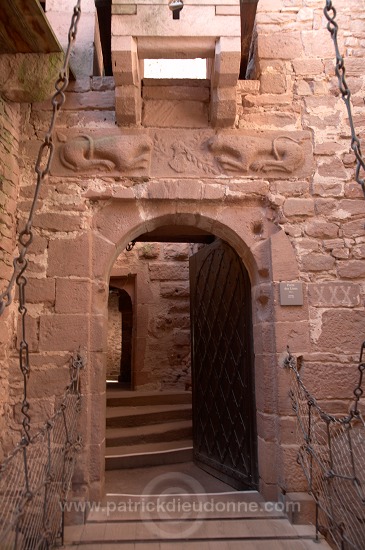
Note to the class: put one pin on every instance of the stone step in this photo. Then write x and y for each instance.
(120, 398)
(255, 533)
(168, 431)
(231, 505)
(149, 454)
(232, 544)
(127, 416)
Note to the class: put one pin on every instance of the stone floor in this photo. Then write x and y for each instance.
(181, 507)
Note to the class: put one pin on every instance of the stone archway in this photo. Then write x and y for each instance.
(269, 258)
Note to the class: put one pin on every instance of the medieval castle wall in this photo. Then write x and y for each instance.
(279, 186)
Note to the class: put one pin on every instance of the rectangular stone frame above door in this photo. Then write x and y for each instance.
(149, 31)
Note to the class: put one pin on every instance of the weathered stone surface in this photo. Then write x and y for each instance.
(29, 77)
(72, 296)
(299, 207)
(183, 153)
(284, 264)
(334, 294)
(149, 251)
(352, 207)
(328, 189)
(332, 169)
(128, 105)
(173, 252)
(223, 107)
(175, 290)
(55, 221)
(49, 382)
(322, 230)
(331, 381)
(182, 338)
(191, 93)
(351, 269)
(63, 332)
(162, 271)
(359, 251)
(178, 114)
(280, 46)
(317, 262)
(273, 83)
(161, 23)
(40, 290)
(76, 251)
(354, 229)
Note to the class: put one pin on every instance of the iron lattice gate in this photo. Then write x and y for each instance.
(224, 427)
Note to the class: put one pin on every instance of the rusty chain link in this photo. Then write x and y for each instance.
(42, 166)
(358, 391)
(332, 26)
(20, 263)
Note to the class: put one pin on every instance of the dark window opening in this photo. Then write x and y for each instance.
(248, 16)
(104, 13)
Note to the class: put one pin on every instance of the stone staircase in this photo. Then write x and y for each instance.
(246, 526)
(145, 508)
(147, 428)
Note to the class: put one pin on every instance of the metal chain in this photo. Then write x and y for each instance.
(358, 391)
(130, 246)
(20, 263)
(43, 163)
(291, 363)
(330, 14)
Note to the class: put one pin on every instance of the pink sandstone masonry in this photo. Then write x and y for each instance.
(277, 185)
(161, 308)
(9, 188)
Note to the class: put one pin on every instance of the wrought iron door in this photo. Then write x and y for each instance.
(224, 427)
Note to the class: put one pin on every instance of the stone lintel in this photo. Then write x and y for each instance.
(156, 20)
(171, 47)
(179, 153)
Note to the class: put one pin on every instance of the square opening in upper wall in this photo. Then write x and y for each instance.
(175, 68)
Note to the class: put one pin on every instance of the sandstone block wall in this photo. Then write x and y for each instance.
(161, 313)
(9, 188)
(114, 353)
(323, 215)
(301, 221)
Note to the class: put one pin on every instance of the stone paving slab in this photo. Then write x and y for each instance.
(211, 545)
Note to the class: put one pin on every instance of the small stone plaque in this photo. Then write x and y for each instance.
(291, 294)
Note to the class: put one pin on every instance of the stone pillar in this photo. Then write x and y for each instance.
(126, 70)
(224, 78)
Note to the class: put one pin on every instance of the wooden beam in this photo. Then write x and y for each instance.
(248, 15)
(24, 28)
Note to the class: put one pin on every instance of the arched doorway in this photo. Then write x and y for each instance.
(268, 257)
(224, 424)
